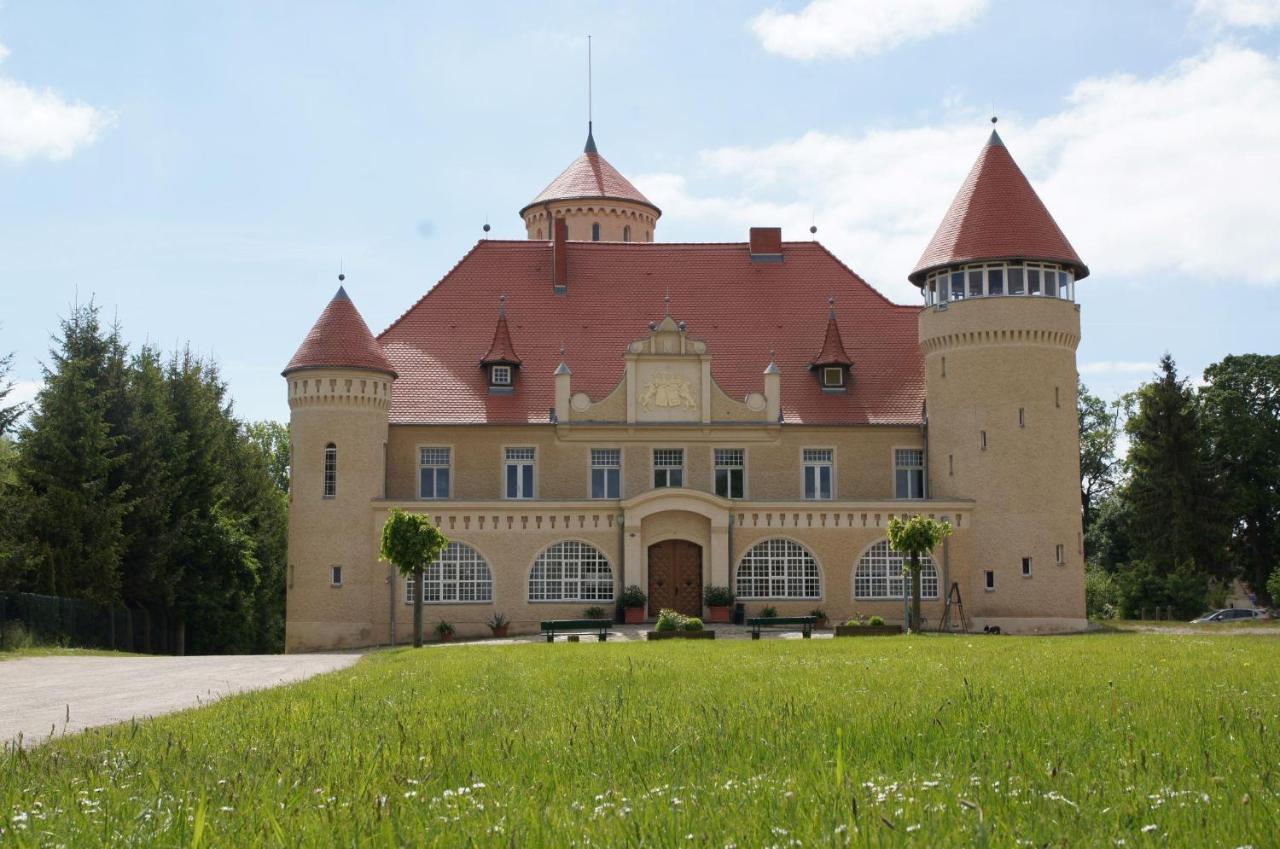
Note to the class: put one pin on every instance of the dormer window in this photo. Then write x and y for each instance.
(500, 375)
(833, 377)
(501, 362)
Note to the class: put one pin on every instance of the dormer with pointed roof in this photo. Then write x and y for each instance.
(340, 339)
(501, 360)
(597, 202)
(832, 363)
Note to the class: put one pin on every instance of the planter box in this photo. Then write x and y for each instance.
(718, 614)
(499, 632)
(681, 635)
(633, 615)
(867, 630)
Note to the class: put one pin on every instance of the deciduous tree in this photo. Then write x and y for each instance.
(411, 543)
(914, 538)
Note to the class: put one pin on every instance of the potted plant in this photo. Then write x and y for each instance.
(593, 612)
(718, 600)
(671, 625)
(820, 617)
(445, 631)
(769, 612)
(499, 625)
(633, 602)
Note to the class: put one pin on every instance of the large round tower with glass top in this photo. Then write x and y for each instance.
(998, 332)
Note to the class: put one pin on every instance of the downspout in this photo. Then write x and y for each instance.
(622, 556)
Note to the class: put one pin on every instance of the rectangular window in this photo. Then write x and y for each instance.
(818, 467)
(335, 576)
(1059, 554)
(957, 285)
(731, 472)
(434, 472)
(908, 472)
(330, 470)
(990, 578)
(833, 376)
(975, 283)
(983, 439)
(1033, 281)
(1015, 281)
(995, 281)
(519, 473)
(606, 473)
(1026, 567)
(1022, 417)
(500, 375)
(668, 467)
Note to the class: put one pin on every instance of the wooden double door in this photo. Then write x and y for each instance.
(675, 577)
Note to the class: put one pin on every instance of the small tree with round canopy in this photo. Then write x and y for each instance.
(411, 543)
(913, 539)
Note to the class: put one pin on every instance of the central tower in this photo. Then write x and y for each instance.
(595, 200)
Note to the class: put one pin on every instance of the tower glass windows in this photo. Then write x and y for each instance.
(330, 470)
(994, 279)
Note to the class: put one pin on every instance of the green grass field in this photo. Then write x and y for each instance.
(1102, 740)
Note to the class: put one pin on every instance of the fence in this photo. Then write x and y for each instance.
(86, 624)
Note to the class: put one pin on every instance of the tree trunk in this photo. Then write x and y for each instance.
(915, 592)
(417, 609)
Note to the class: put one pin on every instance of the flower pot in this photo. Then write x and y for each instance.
(718, 614)
(680, 635)
(446, 637)
(500, 631)
(821, 624)
(867, 630)
(633, 615)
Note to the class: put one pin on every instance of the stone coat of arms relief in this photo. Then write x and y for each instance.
(668, 391)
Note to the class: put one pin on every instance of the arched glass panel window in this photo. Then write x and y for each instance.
(879, 575)
(330, 470)
(778, 568)
(595, 232)
(460, 574)
(571, 571)
(626, 233)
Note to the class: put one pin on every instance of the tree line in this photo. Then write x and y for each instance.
(1193, 503)
(130, 481)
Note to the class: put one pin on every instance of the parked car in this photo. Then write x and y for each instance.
(1230, 614)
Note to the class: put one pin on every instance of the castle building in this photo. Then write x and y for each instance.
(591, 409)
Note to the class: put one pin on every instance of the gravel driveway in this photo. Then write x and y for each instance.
(49, 696)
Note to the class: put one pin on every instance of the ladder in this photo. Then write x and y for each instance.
(951, 621)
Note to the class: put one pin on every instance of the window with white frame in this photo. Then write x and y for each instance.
(908, 472)
(571, 571)
(997, 279)
(833, 376)
(879, 574)
(518, 473)
(778, 568)
(606, 473)
(819, 468)
(460, 574)
(730, 472)
(434, 472)
(330, 470)
(500, 375)
(668, 467)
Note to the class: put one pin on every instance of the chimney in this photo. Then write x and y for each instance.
(766, 244)
(559, 257)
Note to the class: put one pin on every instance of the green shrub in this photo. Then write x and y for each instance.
(593, 613)
(855, 622)
(443, 628)
(670, 620)
(717, 596)
(818, 613)
(497, 620)
(1273, 587)
(693, 623)
(876, 620)
(1142, 589)
(769, 612)
(1101, 594)
(14, 635)
(633, 596)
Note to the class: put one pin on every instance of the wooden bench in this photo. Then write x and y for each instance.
(600, 627)
(805, 624)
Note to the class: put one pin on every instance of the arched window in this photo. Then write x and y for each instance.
(779, 568)
(571, 571)
(330, 470)
(595, 232)
(648, 237)
(879, 575)
(626, 233)
(539, 233)
(460, 574)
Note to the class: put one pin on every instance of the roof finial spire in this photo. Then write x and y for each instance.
(666, 304)
(502, 306)
(831, 307)
(591, 139)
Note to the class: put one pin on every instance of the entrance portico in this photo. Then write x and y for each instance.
(697, 520)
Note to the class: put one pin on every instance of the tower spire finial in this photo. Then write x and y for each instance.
(591, 141)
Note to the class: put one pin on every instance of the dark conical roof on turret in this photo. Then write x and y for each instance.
(997, 215)
(501, 349)
(340, 339)
(590, 177)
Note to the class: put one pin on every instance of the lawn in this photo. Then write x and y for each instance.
(59, 651)
(1100, 740)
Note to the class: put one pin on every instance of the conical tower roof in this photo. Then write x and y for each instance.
(590, 176)
(997, 215)
(340, 339)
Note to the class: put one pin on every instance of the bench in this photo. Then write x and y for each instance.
(805, 624)
(600, 627)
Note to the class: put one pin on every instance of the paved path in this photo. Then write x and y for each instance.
(69, 694)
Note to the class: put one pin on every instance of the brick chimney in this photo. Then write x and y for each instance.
(560, 257)
(766, 244)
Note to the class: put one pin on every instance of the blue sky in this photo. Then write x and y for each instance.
(200, 170)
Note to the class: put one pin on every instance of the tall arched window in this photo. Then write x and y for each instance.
(460, 574)
(595, 232)
(779, 568)
(330, 470)
(626, 233)
(539, 234)
(571, 571)
(879, 575)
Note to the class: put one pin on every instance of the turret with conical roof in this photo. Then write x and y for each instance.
(999, 332)
(597, 202)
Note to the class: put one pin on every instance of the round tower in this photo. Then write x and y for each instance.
(339, 386)
(595, 200)
(998, 333)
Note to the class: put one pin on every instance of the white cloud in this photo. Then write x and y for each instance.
(847, 28)
(41, 123)
(1240, 13)
(1118, 367)
(1174, 173)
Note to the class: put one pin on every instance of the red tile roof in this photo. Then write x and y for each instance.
(500, 349)
(832, 353)
(742, 309)
(340, 339)
(996, 215)
(590, 176)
